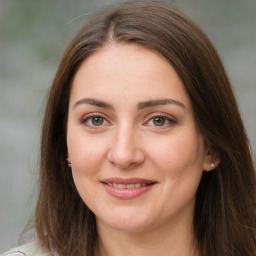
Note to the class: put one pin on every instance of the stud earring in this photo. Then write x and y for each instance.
(68, 163)
(212, 165)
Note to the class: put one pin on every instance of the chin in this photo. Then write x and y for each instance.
(128, 223)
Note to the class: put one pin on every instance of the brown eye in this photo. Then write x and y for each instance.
(97, 120)
(159, 121)
(93, 121)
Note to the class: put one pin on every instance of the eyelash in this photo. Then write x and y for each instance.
(166, 118)
(151, 117)
(89, 117)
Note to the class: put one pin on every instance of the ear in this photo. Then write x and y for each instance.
(68, 160)
(211, 160)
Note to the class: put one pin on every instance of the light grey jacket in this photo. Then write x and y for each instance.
(30, 249)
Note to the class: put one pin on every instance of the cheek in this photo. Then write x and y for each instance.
(180, 154)
(85, 154)
(87, 158)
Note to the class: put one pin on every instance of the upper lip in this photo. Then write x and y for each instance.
(127, 181)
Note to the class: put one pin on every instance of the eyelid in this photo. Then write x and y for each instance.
(86, 117)
(168, 117)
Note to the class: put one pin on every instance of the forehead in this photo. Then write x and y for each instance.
(127, 71)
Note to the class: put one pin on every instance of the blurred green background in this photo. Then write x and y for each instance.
(33, 36)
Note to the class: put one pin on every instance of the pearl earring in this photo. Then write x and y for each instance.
(212, 165)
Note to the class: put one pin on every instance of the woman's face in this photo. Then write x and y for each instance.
(137, 157)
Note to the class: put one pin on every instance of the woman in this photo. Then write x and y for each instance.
(143, 148)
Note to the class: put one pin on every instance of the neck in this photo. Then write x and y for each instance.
(165, 241)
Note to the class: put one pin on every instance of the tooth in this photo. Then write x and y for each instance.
(127, 186)
(130, 185)
(121, 186)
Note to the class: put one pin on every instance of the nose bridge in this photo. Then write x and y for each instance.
(124, 150)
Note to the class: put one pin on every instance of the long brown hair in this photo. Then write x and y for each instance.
(225, 219)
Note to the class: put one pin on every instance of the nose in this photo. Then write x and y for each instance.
(125, 151)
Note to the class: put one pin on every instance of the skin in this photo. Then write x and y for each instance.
(158, 143)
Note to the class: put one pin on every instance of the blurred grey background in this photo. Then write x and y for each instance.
(33, 36)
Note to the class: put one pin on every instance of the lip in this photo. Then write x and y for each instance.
(127, 193)
(127, 181)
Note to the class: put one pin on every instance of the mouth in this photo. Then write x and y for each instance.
(127, 188)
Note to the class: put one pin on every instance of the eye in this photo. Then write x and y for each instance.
(94, 121)
(97, 120)
(160, 121)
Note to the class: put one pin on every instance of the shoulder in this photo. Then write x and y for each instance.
(30, 249)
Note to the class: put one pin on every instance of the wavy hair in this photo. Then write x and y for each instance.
(224, 218)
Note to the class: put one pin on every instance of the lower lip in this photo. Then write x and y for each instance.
(127, 193)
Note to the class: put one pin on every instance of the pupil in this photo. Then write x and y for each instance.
(159, 121)
(97, 120)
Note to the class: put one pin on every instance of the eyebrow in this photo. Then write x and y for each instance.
(93, 102)
(140, 105)
(152, 103)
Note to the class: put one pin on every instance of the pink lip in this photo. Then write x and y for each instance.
(127, 193)
(127, 181)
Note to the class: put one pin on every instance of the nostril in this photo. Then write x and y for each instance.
(125, 153)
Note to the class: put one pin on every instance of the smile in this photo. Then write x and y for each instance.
(127, 188)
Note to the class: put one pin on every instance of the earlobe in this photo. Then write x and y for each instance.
(68, 160)
(212, 159)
